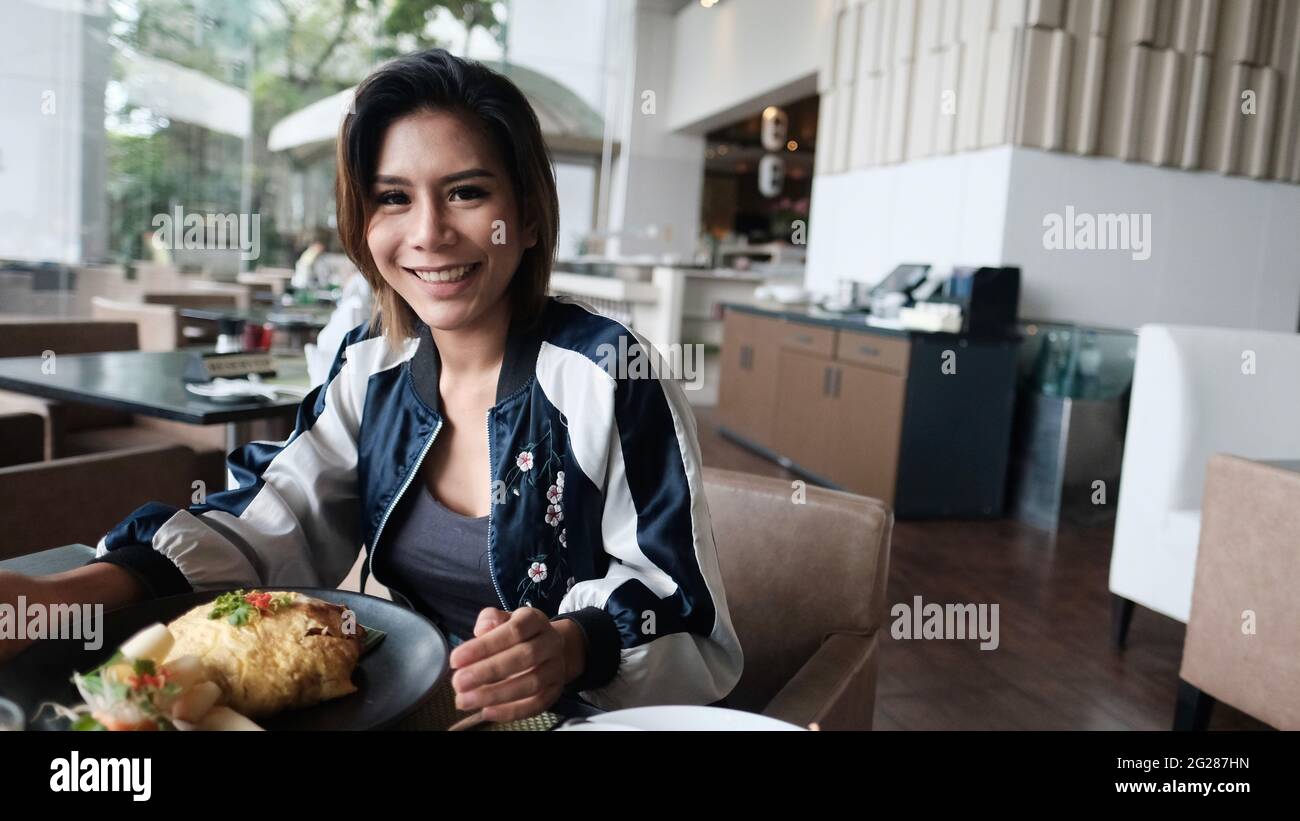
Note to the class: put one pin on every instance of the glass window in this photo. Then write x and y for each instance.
(156, 142)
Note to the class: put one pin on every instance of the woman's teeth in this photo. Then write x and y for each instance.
(449, 275)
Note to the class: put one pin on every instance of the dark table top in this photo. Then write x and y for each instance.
(852, 321)
(288, 318)
(135, 382)
(49, 562)
(814, 315)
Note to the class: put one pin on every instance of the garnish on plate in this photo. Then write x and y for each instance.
(239, 607)
(136, 690)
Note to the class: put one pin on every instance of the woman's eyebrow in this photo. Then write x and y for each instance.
(469, 173)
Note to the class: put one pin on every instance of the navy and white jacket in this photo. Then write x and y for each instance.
(598, 510)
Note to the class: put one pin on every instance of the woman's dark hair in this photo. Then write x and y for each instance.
(434, 80)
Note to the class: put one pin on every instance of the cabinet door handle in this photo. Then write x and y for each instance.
(839, 378)
(868, 350)
(826, 381)
(803, 339)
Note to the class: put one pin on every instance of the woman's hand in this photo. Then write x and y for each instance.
(13, 585)
(517, 664)
(94, 583)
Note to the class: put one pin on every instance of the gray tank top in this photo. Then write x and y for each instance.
(438, 560)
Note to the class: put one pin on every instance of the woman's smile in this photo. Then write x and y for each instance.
(444, 283)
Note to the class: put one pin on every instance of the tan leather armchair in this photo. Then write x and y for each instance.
(28, 337)
(806, 589)
(1242, 646)
(22, 438)
(33, 338)
(159, 325)
(78, 499)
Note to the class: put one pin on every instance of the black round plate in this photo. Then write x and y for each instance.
(392, 680)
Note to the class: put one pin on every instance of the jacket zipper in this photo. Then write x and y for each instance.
(398, 497)
(492, 568)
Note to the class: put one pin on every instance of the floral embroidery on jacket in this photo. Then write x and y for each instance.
(537, 572)
(537, 468)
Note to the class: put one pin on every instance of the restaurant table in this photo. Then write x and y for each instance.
(149, 383)
(295, 316)
(299, 323)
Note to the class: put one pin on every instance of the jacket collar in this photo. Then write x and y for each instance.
(517, 366)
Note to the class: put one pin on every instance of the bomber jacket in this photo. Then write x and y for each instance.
(598, 512)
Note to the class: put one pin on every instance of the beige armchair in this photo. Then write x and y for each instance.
(33, 338)
(78, 499)
(806, 589)
(22, 438)
(159, 325)
(1242, 645)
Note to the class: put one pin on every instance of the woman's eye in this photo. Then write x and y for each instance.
(391, 198)
(471, 192)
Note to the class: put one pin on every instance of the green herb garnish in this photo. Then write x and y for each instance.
(233, 607)
(86, 722)
(239, 607)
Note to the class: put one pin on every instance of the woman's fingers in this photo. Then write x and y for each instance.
(534, 681)
(512, 660)
(521, 626)
(488, 619)
(513, 668)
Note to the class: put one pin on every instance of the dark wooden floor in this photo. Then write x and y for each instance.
(1054, 667)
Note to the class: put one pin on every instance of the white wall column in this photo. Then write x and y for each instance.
(54, 62)
(658, 178)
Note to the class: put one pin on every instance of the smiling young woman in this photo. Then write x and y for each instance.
(547, 513)
(428, 184)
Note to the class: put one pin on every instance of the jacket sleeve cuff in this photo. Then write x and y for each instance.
(156, 573)
(604, 647)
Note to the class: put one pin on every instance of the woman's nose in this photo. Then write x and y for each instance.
(432, 229)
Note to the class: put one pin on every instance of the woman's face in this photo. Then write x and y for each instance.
(445, 227)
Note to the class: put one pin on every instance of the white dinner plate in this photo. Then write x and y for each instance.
(689, 718)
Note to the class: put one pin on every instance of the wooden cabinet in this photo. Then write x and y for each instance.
(827, 400)
(875, 413)
(875, 351)
(866, 426)
(840, 422)
(804, 338)
(748, 379)
(801, 432)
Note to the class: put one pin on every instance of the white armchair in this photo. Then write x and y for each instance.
(1196, 392)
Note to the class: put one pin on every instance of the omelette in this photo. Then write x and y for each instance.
(271, 651)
